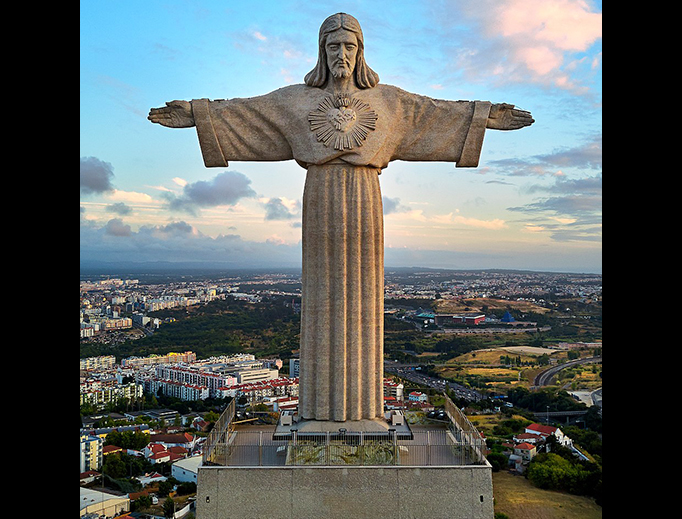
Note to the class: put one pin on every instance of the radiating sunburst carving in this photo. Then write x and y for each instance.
(342, 122)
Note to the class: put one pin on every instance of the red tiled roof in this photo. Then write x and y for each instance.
(160, 455)
(172, 438)
(546, 429)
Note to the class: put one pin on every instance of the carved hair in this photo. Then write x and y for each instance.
(365, 77)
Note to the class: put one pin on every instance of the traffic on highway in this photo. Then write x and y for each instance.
(413, 373)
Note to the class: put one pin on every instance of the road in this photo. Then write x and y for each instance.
(409, 372)
(545, 378)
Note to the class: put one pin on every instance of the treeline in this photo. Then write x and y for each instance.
(221, 327)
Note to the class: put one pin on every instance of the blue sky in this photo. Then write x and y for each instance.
(533, 203)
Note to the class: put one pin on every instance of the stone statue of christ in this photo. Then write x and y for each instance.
(343, 127)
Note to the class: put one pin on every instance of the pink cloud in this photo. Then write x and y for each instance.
(566, 25)
(535, 39)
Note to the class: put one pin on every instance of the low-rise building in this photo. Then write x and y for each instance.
(525, 450)
(101, 503)
(418, 396)
(544, 431)
(186, 470)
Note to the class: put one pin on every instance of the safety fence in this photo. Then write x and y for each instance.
(459, 443)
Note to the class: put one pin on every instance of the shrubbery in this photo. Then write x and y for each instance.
(551, 471)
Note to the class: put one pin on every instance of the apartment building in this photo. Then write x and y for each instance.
(90, 452)
(102, 362)
(170, 358)
(105, 394)
(196, 377)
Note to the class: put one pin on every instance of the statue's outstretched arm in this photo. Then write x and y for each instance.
(176, 114)
(504, 116)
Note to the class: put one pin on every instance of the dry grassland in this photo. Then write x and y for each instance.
(516, 497)
(446, 306)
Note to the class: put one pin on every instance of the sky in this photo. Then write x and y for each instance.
(533, 202)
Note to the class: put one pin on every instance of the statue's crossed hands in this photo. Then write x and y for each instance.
(504, 116)
(176, 114)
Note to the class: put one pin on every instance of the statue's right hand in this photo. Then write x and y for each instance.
(176, 114)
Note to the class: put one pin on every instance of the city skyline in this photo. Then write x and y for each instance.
(533, 203)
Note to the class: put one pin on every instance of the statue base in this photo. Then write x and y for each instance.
(376, 428)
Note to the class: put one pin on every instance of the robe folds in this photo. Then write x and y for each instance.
(344, 145)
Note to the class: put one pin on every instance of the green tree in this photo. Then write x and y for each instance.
(168, 507)
(497, 460)
(187, 487)
(141, 503)
(165, 488)
(114, 467)
(211, 416)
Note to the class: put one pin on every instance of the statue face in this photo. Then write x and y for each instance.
(342, 49)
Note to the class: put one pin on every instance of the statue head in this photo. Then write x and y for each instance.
(365, 77)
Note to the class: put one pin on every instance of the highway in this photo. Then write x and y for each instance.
(408, 372)
(545, 378)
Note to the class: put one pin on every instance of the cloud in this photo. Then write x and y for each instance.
(282, 209)
(119, 208)
(179, 241)
(96, 176)
(393, 205)
(129, 196)
(526, 40)
(116, 227)
(585, 156)
(453, 219)
(225, 188)
(570, 205)
(572, 212)
(580, 186)
(173, 229)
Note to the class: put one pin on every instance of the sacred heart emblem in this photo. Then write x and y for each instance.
(342, 118)
(343, 121)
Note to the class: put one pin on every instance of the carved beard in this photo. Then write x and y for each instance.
(341, 70)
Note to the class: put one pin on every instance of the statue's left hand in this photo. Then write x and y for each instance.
(504, 116)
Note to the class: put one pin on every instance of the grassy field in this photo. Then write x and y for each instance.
(516, 497)
(477, 304)
(486, 365)
(485, 423)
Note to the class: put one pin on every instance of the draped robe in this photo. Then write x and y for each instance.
(344, 148)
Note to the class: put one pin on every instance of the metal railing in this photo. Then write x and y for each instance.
(427, 448)
(219, 435)
(463, 430)
(459, 443)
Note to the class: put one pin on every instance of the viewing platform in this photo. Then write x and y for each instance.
(299, 469)
(454, 442)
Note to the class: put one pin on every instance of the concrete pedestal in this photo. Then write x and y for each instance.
(297, 492)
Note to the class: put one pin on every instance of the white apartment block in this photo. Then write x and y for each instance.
(103, 395)
(188, 375)
(393, 389)
(256, 375)
(259, 391)
(102, 362)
